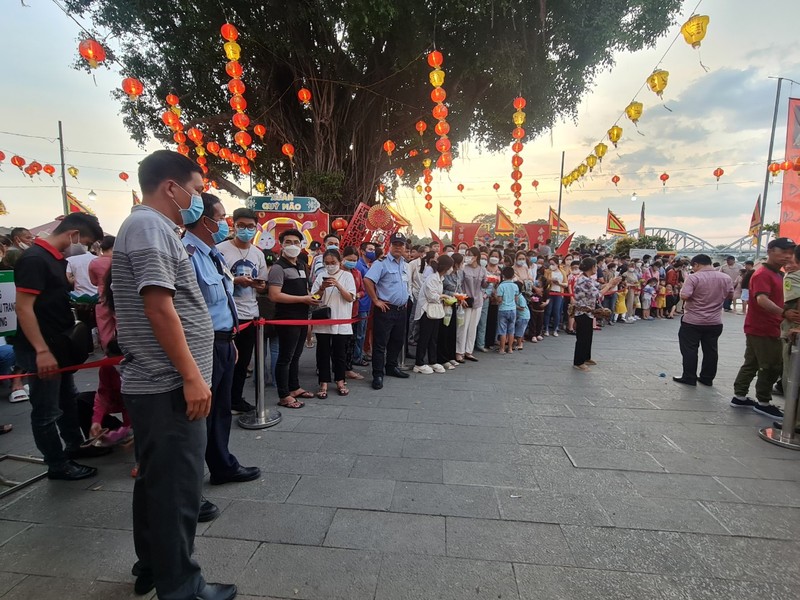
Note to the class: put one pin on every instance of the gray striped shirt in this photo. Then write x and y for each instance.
(148, 252)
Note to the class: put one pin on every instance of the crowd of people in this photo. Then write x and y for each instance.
(178, 292)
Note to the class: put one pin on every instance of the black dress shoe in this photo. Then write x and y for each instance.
(145, 582)
(72, 471)
(242, 407)
(208, 511)
(217, 591)
(239, 475)
(684, 381)
(88, 452)
(705, 382)
(398, 373)
(377, 383)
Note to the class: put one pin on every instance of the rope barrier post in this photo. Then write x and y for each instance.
(786, 437)
(12, 485)
(262, 417)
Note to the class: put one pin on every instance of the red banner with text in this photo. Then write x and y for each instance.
(790, 205)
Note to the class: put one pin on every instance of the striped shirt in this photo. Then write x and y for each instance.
(148, 252)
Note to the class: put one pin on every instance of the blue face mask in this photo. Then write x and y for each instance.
(245, 234)
(370, 255)
(349, 264)
(331, 247)
(194, 212)
(222, 233)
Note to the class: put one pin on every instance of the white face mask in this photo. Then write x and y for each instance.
(332, 269)
(576, 271)
(494, 260)
(553, 267)
(449, 253)
(521, 263)
(484, 262)
(24, 246)
(291, 251)
(468, 260)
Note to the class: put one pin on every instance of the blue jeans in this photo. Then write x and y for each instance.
(480, 335)
(553, 309)
(506, 320)
(7, 359)
(54, 410)
(360, 331)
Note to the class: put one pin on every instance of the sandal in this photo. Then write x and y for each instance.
(18, 396)
(470, 358)
(342, 389)
(301, 393)
(292, 403)
(354, 375)
(322, 394)
(6, 429)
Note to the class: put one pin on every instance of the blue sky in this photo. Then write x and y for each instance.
(719, 118)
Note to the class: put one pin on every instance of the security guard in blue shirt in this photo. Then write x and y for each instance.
(387, 288)
(216, 284)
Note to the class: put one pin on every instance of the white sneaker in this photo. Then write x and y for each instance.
(437, 368)
(540, 338)
(424, 369)
(546, 334)
(555, 334)
(453, 363)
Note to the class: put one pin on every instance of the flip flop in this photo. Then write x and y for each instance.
(292, 404)
(354, 375)
(342, 390)
(322, 394)
(303, 394)
(18, 396)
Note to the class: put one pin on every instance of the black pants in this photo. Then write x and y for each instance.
(491, 326)
(167, 492)
(428, 339)
(290, 346)
(388, 333)
(446, 343)
(584, 331)
(349, 350)
(537, 322)
(690, 338)
(726, 304)
(245, 342)
(331, 348)
(218, 424)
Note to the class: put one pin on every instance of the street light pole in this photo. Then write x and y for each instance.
(560, 190)
(766, 170)
(63, 170)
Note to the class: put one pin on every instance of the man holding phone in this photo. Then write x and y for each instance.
(249, 269)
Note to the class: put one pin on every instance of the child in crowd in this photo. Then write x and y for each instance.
(648, 294)
(661, 300)
(507, 292)
(537, 306)
(672, 302)
(523, 316)
(571, 279)
(621, 309)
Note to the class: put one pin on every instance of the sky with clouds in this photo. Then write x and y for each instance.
(720, 118)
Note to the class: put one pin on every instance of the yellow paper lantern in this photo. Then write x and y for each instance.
(3, 209)
(614, 134)
(591, 161)
(582, 169)
(519, 118)
(658, 81)
(73, 172)
(426, 162)
(694, 30)
(232, 50)
(261, 187)
(418, 188)
(634, 111)
(573, 175)
(565, 181)
(437, 78)
(600, 151)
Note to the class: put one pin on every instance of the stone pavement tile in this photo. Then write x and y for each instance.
(313, 410)
(515, 541)
(603, 413)
(571, 424)
(759, 491)
(345, 492)
(668, 485)
(467, 433)
(268, 522)
(492, 474)
(58, 551)
(448, 500)
(544, 410)
(334, 425)
(413, 577)
(460, 418)
(306, 463)
(747, 559)
(457, 450)
(8, 529)
(773, 468)
(565, 583)
(223, 560)
(398, 469)
(360, 395)
(548, 507)
(9, 580)
(581, 482)
(53, 588)
(289, 440)
(374, 414)
(387, 532)
(310, 573)
(414, 431)
(675, 462)
(362, 445)
(621, 460)
(697, 588)
(753, 520)
(109, 510)
(613, 440)
(662, 514)
(270, 487)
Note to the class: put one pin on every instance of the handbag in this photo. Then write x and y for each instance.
(321, 313)
(434, 310)
(73, 346)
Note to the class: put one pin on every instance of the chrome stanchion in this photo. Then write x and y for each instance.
(786, 437)
(14, 486)
(262, 417)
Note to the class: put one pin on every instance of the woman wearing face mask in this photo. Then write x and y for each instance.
(350, 264)
(474, 283)
(588, 293)
(451, 284)
(574, 272)
(338, 290)
(631, 278)
(480, 333)
(429, 314)
(557, 281)
(493, 279)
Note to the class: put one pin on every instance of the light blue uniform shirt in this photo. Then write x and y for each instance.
(388, 275)
(216, 287)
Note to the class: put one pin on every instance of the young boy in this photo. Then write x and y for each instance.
(507, 291)
(647, 298)
(661, 300)
(523, 316)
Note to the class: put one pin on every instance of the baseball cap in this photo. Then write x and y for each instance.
(314, 245)
(783, 243)
(397, 238)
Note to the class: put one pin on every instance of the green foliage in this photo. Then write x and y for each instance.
(624, 244)
(364, 62)
(771, 228)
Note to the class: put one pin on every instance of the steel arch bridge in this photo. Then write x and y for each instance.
(685, 242)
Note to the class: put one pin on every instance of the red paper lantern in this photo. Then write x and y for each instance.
(133, 87)
(518, 211)
(440, 112)
(664, 177)
(92, 51)
(251, 154)
(615, 180)
(288, 150)
(304, 96)
(179, 137)
(516, 187)
(36, 167)
(49, 169)
(238, 103)
(172, 99)
(399, 171)
(243, 139)
(412, 153)
(241, 120)
(124, 176)
(435, 59)
(516, 161)
(516, 175)
(428, 197)
(195, 135)
(229, 32)
(517, 202)
(234, 69)
(438, 95)
(441, 128)
(496, 186)
(2, 156)
(18, 161)
(213, 147)
(260, 131)
(236, 87)
(535, 184)
(388, 147)
(443, 144)
(428, 205)
(445, 161)
(245, 168)
(718, 173)
(421, 126)
(224, 153)
(518, 133)
(183, 149)
(460, 187)
(428, 189)
(774, 168)
(381, 188)
(786, 165)
(202, 160)
(519, 103)
(516, 147)
(170, 119)
(339, 224)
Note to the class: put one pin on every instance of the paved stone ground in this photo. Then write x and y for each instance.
(515, 478)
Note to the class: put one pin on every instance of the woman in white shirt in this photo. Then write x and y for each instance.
(337, 289)
(429, 313)
(557, 277)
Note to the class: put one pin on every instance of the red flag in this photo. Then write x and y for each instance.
(537, 233)
(641, 222)
(136, 199)
(790, 205)
(614, 225)
(465, 233)
(563, 249)
(76, 206)
(446, 219)
(557, 224)
(435, 238)
(399, 219)
(502, 222)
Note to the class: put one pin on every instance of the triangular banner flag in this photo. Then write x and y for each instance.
(755, 221)
(136, 199)
(502, 222)
(399, 219)
(465, 233)
(614, 225)
(76, 206)
(435, 238)
(557, 225)
(563, 249)
(641, 222)
(446, 219)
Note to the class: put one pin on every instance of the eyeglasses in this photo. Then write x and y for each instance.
(242, 227)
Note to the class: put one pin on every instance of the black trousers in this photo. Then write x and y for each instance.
(290, 347)
(245, 342)
(167, 491)
(584, 330)
(428, 340)
(218, 424)
(491, 325)
(388, 333)
(331, 348)
(690, 338)
(537, 322)
(446, 344)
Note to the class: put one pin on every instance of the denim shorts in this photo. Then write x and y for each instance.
(520, 327)
(505, 322)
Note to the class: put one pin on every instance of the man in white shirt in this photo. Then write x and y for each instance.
(78, 271)
(731, 268)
